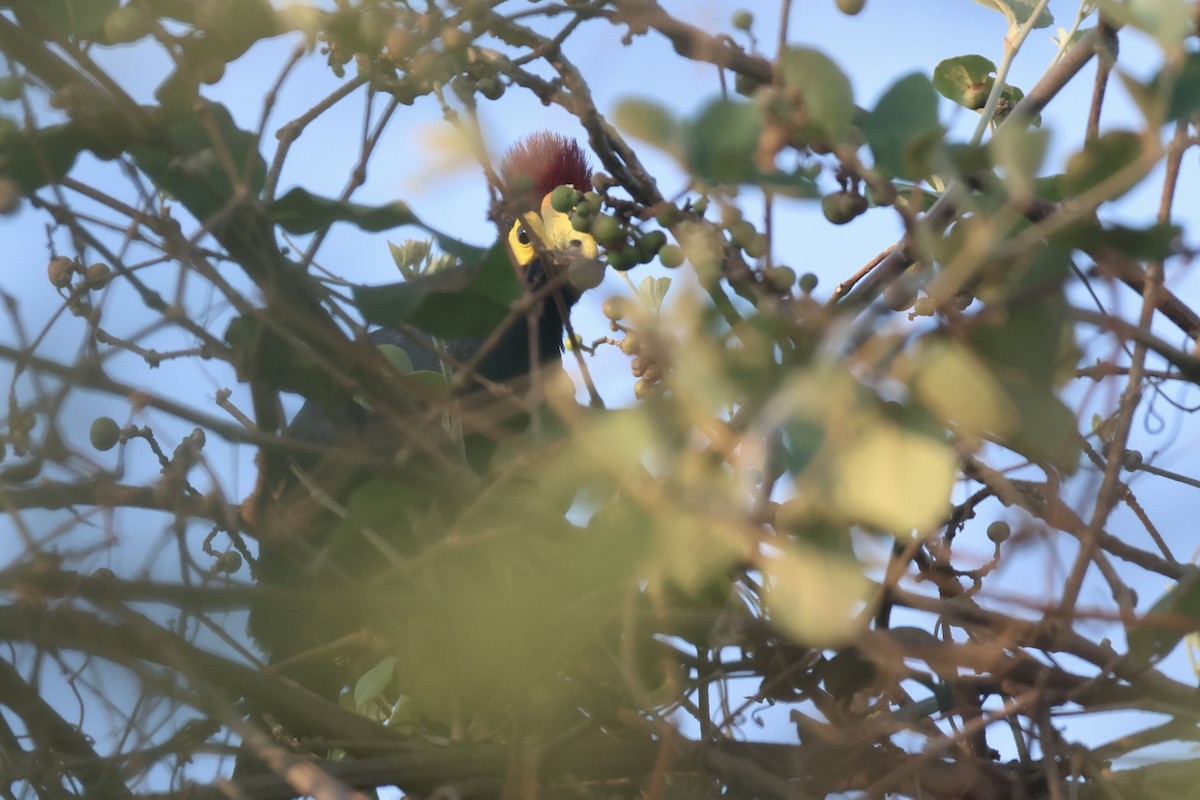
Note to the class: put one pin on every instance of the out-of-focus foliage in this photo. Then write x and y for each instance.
(821, 506)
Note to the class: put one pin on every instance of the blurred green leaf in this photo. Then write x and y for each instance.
(721, 142)
(73, 17)
(1168, 21)
(43, 156)
(1017, 12)
(452, 302)
(826, 91)
(815, 596)
(894, 479)
(902, 126)
(1174, 615)
(1101, 159)
(262, 354)
(1019, 152)
(1184, 100)
(966, 80)
(192, 167)
(650, 122)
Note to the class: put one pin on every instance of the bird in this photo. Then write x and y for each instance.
(314, 554)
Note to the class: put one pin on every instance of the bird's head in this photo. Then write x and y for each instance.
(540, 239)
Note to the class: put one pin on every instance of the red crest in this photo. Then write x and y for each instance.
(549, 160)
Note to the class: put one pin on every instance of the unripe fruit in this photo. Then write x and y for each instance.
(581, 222)
(585, 273)
(10, 87)
(10, 196)
(491, 88)
(999, 531)
(1131, 461)
(668, 216)
(623, 259)
(899, 295)
(651, 243)
(564, 198)
(742, 19)
(630, 344)
(841, 207)
(670, 256)
(97, 276)
(606, 230)
(126, 24)
(782, 277)
(60, 271)
(808, 282)
(615, 308)
(229, 562)
(851, 7)
(105, 433)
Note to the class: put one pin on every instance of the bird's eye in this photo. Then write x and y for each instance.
(523, 235)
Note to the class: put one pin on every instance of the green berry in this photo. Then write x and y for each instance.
(229, 562)
(585, 273)
(564, 198)
(782, 278)
(1131, 461)
(999, 531)
(841, 207)
(491, 88)
(808, 282)
(105, 433)
(10, 196)
(606, 230)
(667, 216)
(851, 7)
(10, 87)
(615, 308)
(742, 19)
(899, 295)
(622, 259)
(670, 256)
(651, 243)
(581, 222)
(700, 206)
(126, 24)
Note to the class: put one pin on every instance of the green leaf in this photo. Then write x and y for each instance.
(1017, 12)
(966, 80)
(826, 91)
(1184, 99)
(299, 211)
(1173, 616)
(75, 17)
(1019, 152)
(902, 125)
(650, 122)
(43, 156)
(193, 168)
(262, 354)
(1168, 21)
(451, 303)
(721, 142)
(894, 479)
(815, 596)
(1101, 159)
(374, 681)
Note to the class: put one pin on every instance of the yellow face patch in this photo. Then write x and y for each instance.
(550, 230)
